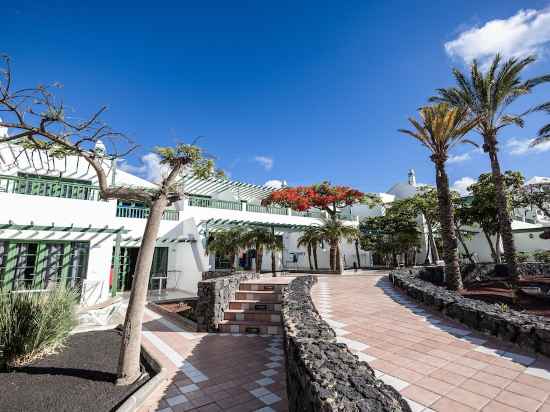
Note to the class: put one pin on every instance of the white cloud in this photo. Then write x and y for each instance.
(459, 158)
(265, 161)
(461, 185)
(275, 183)
(520, 147)
(150, 168)
(526, 32)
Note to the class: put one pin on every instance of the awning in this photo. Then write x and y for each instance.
(70, 228)
(213, 225)
(208, 187)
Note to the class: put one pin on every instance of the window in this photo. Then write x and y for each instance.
(25, 265)
(42, 265)
(78, 264)
(3, 259)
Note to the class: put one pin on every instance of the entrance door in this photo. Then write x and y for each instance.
(127, 266)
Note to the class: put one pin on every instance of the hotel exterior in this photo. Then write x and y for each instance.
(55, 228)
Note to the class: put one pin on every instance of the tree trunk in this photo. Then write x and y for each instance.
(273, 264)
(433, 246)
(338, 266)
(315, 256)
(232, 257)
(358, 254)
(450, 247)
(332, 258)
(491, 246)
(130, 348)
(309, 256)
(497, 248)
(502, 207)
(463, 243)
(259, 259)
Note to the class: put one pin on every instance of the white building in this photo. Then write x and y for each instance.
(53, 227)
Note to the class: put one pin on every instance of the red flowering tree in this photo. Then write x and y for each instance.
(322, 196)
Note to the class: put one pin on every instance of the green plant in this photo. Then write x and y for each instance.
(542, 256)
(522, 257)
(33, 324)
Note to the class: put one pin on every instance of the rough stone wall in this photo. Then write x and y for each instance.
(213, 274)
(528, 331)
(214, 296)
(323, 375)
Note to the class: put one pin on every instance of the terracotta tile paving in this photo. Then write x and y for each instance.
(436, 363)
(215, 372)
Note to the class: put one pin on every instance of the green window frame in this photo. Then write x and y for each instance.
(39, 264)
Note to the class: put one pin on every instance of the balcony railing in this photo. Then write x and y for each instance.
(313, 213)
(134, 212)
(48, 187)
(214, 203)
(268, 209)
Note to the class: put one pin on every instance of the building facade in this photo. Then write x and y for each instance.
(55, 228)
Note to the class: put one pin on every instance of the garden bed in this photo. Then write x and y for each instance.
(499, 292)
(80, 377)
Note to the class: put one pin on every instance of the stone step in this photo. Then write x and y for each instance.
(255, 305)
(266, 287)
(253, 315)
(261, 295)
(254, 327)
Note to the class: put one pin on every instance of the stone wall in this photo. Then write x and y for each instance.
(481, 272)
(214, 296)
(323, 375)
(213, 274)
(528, 331)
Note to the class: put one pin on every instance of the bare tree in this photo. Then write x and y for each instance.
(38, 120)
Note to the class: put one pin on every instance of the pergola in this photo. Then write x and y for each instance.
(213, 225)
(207, 187)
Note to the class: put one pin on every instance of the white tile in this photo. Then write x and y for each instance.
(341, 332)
(188, 388)
(172, 326)
(397, 383)
(488, 351)
(336, 324)
(258, 392)
(176, 400)
(415, 406)
(269, 372)
(352, 344)
(364, 357)
(472, 339)
(539, 372)
(265, 381)
(270, 399)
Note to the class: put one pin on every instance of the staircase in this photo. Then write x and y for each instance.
(256, 308)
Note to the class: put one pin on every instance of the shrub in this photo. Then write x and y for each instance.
(522, 257)
(542, 256)
(33, 324)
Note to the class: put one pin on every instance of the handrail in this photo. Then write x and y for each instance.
(214, 203)
(134, 212)
(263, 209)
(47, 187)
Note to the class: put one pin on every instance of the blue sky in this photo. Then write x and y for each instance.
(302, 91)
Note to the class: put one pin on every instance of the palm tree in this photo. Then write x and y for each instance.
(544, 132)
(257, 238)
(227, 242)
(441, 128)
(486, 96)
(310, 238)
(332, 231)
(274, 244)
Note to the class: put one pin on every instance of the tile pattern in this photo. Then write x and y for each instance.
(436, 364)
(215, 372)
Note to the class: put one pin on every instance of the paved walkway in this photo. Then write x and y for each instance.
(436, 364)
(215, 372)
